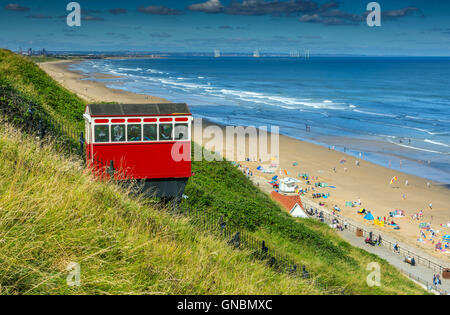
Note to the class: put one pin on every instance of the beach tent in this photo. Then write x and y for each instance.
(446, 238)
(295, 164)
(369, 217)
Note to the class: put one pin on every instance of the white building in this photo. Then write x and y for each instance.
(289, 185)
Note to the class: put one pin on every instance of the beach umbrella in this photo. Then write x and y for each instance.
(275, 177)
(369, 217)
(394, 179)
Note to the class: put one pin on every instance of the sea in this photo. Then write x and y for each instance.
(393, 111)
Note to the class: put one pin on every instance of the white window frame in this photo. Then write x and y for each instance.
(93, 124)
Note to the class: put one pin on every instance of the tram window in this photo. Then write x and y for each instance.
(181, 132)
(165, 132)
(118, 133)
(134, 133)
(101, 133)
(150, 133)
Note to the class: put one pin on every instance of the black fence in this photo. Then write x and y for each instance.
(260, 249)
(32, 118)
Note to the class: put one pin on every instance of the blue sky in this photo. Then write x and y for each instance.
(411, 27)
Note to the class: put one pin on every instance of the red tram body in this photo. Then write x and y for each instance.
(150, 143)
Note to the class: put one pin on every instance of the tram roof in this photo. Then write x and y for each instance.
(105, 110)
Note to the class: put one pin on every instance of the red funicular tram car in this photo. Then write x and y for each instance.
(150, 143)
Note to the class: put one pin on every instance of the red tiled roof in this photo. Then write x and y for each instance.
(287, 202)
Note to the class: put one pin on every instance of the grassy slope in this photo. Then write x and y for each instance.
(217, 187)
(23, 75)
(51, 214)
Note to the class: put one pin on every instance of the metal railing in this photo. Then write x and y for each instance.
(327, 217)
(241, 239)
(32, 118)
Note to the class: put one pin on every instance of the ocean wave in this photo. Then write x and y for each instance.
(188, 85)
(154, 71)
(130, 69)
(416, 148)
(374, 114)
(437, 143)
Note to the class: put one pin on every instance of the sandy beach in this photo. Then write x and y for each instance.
(92, 91)
(367, 182)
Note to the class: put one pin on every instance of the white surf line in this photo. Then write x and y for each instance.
(415, 148)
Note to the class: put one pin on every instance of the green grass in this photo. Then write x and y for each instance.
(219, 187)
(52, 214)
(22, 75)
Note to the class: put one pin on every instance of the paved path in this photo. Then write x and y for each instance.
(417, 272)
(421, 272)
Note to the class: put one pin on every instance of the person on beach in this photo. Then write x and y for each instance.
(396, 248)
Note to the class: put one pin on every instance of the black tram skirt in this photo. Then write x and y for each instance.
(163, 187)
